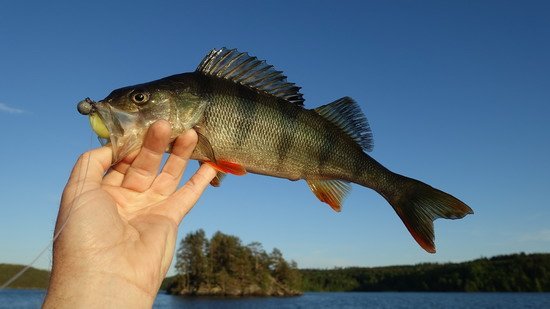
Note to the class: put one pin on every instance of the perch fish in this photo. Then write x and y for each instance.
(250, 119)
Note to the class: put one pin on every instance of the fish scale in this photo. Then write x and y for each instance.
(248, 118)
(290, 143)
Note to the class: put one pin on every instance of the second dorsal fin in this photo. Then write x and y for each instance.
(347, 115)
(248, 71)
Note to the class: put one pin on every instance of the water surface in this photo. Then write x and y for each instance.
(33, 299)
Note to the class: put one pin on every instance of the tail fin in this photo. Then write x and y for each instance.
(419, 204)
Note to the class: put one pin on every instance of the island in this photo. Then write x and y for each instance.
(223, 266)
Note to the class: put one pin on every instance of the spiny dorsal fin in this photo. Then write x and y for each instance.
(248, 71)
(346, 114)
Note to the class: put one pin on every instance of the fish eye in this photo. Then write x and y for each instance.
(140, 97)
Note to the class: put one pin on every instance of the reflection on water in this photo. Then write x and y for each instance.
(368, 300)
(33, 299)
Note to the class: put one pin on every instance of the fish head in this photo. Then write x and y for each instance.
(123, 117)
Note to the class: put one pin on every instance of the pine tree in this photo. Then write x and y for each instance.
(192, 263)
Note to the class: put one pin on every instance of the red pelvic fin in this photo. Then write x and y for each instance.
(217, 181)
(227, 167)
(330, 191)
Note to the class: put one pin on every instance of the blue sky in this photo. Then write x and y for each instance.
(457, 94)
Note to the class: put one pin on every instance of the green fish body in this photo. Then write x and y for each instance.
(250, 119)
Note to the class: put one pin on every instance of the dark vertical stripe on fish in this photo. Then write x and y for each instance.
(326, 148)
(248, 111)
(205, 85)
(289, 132)
(358, 167)
(204, 88)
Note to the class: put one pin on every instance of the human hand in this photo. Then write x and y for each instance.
(119, 240)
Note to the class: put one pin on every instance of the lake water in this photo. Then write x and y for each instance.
(33, 299)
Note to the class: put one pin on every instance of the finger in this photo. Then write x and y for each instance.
(168, 180)
(181, 202)
(88, 172)
(91, 166)
(115, 175)
(143, 170)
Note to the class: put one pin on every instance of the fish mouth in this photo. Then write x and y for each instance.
(125, 129)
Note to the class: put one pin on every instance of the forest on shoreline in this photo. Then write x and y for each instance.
(505, 273)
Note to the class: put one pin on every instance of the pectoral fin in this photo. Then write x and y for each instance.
(204, 148)
(330, 191)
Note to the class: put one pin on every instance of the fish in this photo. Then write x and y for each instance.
(250, 119)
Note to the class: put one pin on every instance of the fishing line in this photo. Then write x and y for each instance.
(78, 190)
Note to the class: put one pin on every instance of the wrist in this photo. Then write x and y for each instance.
(98, 290)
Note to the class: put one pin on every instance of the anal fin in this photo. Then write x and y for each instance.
(330, 191)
